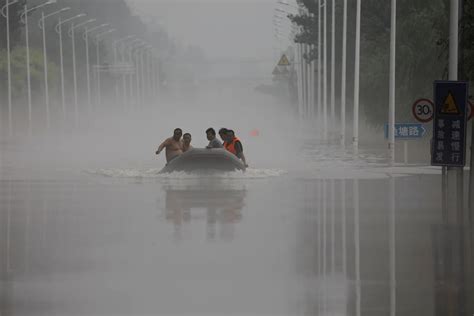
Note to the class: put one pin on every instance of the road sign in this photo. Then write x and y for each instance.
(284, 61)
(423, 110)
(449, 124)
(407, 130)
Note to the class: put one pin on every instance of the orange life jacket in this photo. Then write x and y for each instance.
(231, 146)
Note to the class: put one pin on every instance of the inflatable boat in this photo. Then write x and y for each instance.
(204, 159)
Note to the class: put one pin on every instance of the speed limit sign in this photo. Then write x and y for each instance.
(423, 110)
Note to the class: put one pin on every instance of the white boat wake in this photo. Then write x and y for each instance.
(155, 173)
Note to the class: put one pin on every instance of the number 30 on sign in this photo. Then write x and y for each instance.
(423, 110)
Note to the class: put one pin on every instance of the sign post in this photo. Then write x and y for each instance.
(406, 131)
(449, 143)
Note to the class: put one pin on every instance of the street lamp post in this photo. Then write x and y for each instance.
(115, 47)
(98, 38)
(319, 62)
(130, 59)
(59, 30)
(24, 19)
(6, 14)
(41, 25)
(344, 74)
(391, 111)
(325, 74)
(72, 35)
(333, 63)
(85, 36)
(124, 76)
(143, 62)
(355, 139)
(139, 75)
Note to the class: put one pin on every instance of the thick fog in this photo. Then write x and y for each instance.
(322, 221)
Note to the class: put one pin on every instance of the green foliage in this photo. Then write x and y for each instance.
(117, 13)
(467, 41)
(422, 49)
(19, 73)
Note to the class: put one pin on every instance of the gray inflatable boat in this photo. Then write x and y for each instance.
(202, 159)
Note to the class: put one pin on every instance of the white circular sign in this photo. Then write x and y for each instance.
(423, 110)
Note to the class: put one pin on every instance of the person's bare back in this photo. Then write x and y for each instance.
(173, 146)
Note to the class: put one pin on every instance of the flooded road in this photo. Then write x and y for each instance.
(89, 227)
(278, 243)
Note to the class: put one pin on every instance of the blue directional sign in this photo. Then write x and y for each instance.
(407, 130)
(449, 124)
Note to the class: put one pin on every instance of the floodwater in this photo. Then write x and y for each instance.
(333, 235)
(259, 244)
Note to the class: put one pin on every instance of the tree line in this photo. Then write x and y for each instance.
(422, 49)
(116, 13)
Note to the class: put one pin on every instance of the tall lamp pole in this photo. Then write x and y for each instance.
(116, 58)
(355, 139)
(344, 75)
(98, 38)
(333, 63)
(59, 30)
(24, 19)
(124, 76)
(319, 62)
(85, 36)
(72, 35)
(145, 73)
(325, 72)
(139, 74)
(5, 11)
(130, 59)
(41, 25)
(391, 110)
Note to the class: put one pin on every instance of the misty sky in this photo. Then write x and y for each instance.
(222, 28)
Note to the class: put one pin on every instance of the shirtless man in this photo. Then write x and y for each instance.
(187, 142)
(173, 145)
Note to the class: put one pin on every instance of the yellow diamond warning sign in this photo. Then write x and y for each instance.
(284, 61)
(449, 105)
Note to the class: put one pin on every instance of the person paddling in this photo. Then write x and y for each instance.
(234, 146)
(173, 145)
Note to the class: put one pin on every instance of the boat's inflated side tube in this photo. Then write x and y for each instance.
(204, 159)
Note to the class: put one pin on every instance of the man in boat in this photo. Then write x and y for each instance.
(234, 146)
(213, 141)
(173, 145)
(187, 142)
(223, 134)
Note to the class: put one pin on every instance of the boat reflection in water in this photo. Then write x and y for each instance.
(218, 205)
